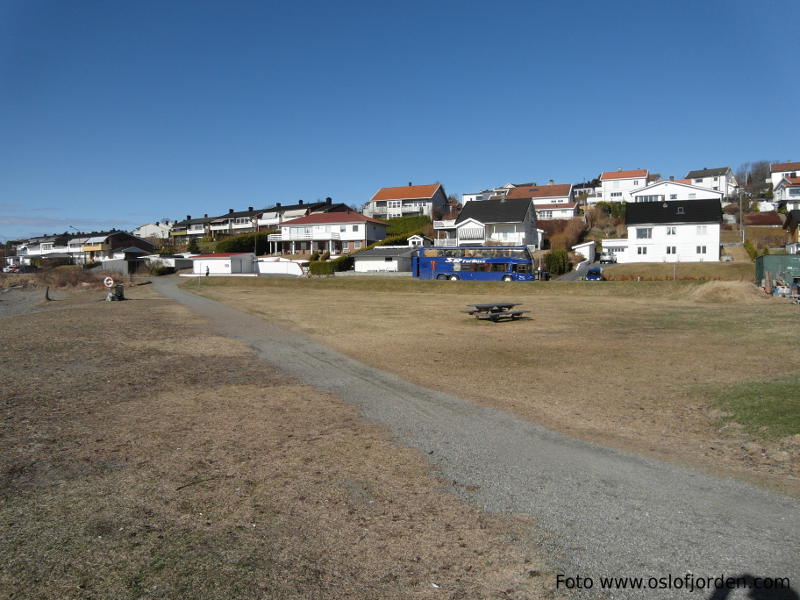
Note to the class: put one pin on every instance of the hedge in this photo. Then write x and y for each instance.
(243, 242)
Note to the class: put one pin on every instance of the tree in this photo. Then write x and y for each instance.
(193, 247)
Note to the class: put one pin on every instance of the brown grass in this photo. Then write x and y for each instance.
(633, 365)
(57, 277)
(682, 271)
(141, 456)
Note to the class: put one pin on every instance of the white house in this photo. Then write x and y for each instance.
(616, 186)
(223, 263)
(778, 171)
(384, 259)
(672, 231)
(409, 200)
(506, 221)
(271, 218)
(719, 179)
(664, 190)
(159, 230)
(335, 232)
(552, 201)
(788, 190)
(490, 194)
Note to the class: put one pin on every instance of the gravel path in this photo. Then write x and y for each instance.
(18, 301)
(604, 512)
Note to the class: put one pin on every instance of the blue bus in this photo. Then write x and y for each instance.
(474, 263)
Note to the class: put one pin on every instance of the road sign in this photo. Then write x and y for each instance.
(108, 282)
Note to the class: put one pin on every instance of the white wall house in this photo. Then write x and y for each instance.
(336, 232)
(780, 171)
(616, 186)
(225, 263)
(404, 201)
(788, 190)
(159, 230)
(489, 194)
(718, 179)
(507, 221)
(664, 190)
(669, 232)
(552, 201)
(384, 259)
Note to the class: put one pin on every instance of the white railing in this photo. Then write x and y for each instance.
(299, 236)
(473, 233)
(449, 224)
(447, 242)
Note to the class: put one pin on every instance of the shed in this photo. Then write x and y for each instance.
(226, 263)
(785, 267)
(383, 259)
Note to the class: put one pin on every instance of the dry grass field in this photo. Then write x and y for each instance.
(142, 456)
(650, 367)
(733, 271)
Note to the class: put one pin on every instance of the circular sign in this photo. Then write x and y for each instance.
(108, 282)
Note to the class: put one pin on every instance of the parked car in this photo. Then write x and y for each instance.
(594, 274)
(607, 257)
(10, 269)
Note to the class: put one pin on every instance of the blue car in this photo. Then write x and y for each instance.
(594, 274)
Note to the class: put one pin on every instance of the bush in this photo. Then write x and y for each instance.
(157, 269)
(193, 246)
(751, 249)
(244, 243)
(406, 226)
(557, 262)
(329, 267)
(325, 255)
(615, 209)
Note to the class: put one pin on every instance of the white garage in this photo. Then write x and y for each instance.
(384, 259)
(225, 263)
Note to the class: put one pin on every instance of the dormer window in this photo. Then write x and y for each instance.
(681, 211)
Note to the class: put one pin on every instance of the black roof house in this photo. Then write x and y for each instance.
(701, 173)
(675, 211)
(504, 210)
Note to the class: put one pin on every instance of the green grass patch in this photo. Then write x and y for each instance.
(767, 409)
(706, 271)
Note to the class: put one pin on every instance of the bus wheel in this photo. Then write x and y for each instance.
(441, 277)
(453, 277)
(507, 278)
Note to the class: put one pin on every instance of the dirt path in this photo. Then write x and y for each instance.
(608, 512)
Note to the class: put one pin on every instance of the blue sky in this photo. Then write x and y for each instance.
(118, 113)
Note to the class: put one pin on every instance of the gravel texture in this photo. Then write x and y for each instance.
(604, 512)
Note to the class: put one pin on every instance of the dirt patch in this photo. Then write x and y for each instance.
(142, 456)
(634, 366)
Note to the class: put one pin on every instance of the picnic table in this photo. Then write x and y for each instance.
(495, 311)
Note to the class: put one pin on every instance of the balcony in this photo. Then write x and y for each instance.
(471, 234)
(291, 236)
(446, 242)
(449, 224)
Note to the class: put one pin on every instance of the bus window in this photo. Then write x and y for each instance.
(522, 268)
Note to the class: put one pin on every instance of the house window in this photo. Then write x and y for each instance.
(681, 211)
(649, 198)
(701, 249)
(47, 246)
(356, 245)
(692, 196)
(394, 203)
(342, 228)
(641, 250)
(698, 181)
(716, 187)
(716, 179)
(644, 233)
(355, 227)
(670, 231)
(671, 250)
(673, 196)
(616, 194)
(701, 230)
(546, 214)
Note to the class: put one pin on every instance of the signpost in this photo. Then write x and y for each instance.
(117, 293)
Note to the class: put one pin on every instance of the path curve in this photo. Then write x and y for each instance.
(605, 512)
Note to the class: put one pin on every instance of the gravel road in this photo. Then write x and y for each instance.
(604, 512)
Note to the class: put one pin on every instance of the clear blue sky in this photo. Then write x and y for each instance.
(118, 113)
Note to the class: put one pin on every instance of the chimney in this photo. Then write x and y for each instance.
(409, 184)
(188, 217)
(249, 209)
(329, 200)
(205, 216)
(300, 202)
(230, 210)
(277, 205)
(672, 177)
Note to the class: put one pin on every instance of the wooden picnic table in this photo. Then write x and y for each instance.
(494, 311)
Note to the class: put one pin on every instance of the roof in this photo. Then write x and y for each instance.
(386, 251)
(132, 250)
(787, 166)
(682, 182)
(540, 191)
(686, 181)
(332, 217)
(219, 255)
(675, 211)
(624, 174)
(504, 210)
(700, 173)
(405, 192)
(791, 182)
(764, 219)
